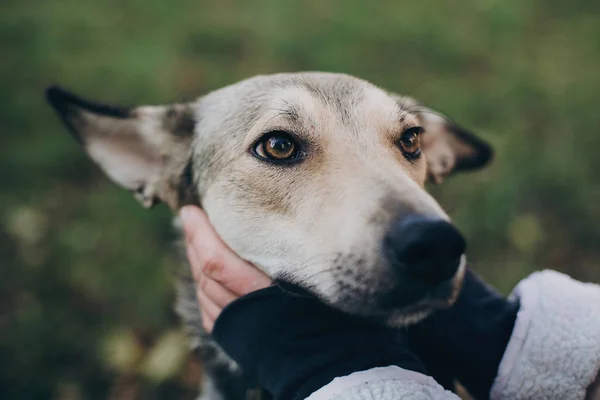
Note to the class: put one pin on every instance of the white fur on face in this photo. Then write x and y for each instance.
(320, 223)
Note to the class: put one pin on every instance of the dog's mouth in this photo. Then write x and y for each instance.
(436, 294)
(440, 296)
(406, 303)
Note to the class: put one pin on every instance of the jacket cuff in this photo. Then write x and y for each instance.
(554, 350)
(383, 383)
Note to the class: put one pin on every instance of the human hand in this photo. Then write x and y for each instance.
(220, 275)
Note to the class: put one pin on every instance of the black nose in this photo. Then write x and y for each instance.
(424, 248)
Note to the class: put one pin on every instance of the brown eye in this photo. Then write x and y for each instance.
(410, 142)
(277, 146)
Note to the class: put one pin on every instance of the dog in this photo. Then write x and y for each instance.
(316, 178)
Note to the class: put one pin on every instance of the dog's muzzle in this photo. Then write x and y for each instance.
(425, 253)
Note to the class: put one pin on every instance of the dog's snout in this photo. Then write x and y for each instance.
(424, 248)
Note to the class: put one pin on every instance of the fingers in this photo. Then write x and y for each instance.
(220, 275)
(211, 257)
(212, 296)
(217, 293)
(210, 311)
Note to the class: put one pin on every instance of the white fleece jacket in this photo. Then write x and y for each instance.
(553, 353)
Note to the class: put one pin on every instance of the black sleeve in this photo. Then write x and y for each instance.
(292, 344)
(467, 341)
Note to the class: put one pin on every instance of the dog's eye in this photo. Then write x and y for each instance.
(277, 146)
(410, 142)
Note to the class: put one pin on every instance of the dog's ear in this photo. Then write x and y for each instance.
(145, 149)
(448, 147)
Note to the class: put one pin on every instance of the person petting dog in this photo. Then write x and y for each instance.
(543, 342)
(319, 180)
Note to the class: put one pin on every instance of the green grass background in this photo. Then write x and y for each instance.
(85, 284)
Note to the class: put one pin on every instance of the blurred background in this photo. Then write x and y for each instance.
(86, 274)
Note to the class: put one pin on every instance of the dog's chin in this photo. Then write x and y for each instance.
(441, 297)
(390, 309)
(417, 312)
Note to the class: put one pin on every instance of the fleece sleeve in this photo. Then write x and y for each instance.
(554, 350)
(383, 383)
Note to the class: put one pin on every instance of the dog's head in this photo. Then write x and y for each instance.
(316, 178)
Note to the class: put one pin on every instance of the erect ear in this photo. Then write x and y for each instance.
(146, 149)
(448, 147)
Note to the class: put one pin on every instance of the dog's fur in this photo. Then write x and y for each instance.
(317, 222)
